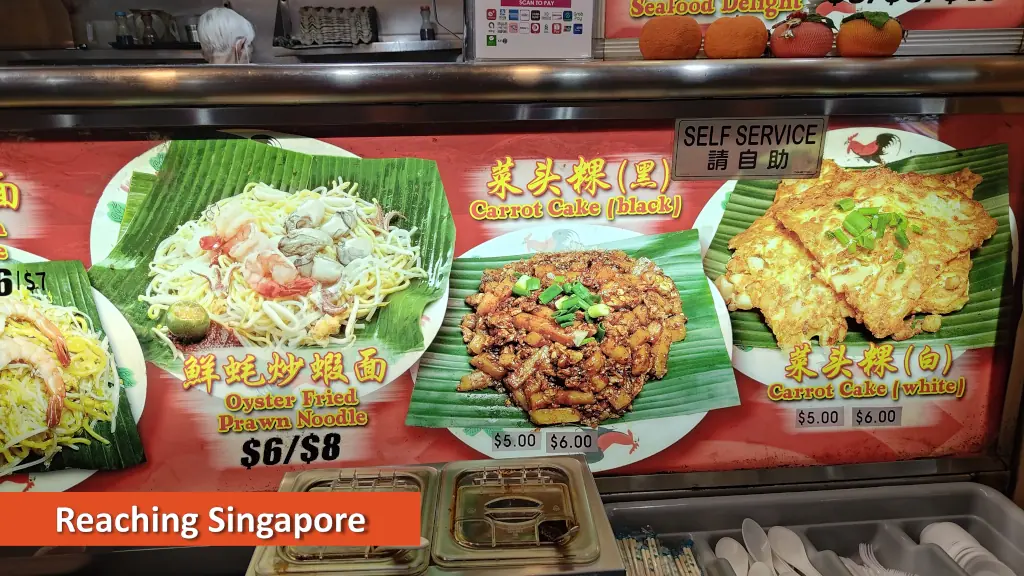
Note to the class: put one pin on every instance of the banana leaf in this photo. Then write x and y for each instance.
(700, 375)
(67, 284)
(196, 174)
(986, 319)
(139, 187)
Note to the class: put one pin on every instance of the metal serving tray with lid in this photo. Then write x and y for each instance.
(307, 560)
(497, 517)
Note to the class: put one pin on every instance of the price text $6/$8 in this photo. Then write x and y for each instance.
(281, 450)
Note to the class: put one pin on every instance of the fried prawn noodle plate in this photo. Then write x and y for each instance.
(564, 362)
(57, 381)
(881, 288)
(285, 269)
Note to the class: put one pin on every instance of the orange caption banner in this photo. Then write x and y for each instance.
(210, 519)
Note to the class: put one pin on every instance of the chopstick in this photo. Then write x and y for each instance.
(647, 557)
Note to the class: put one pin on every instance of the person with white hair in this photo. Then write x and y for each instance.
(226, 37)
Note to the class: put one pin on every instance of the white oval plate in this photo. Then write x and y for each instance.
(769, 365)
(104, 233)
(127, 354)
(634, 441)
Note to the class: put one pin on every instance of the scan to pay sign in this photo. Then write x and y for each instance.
(748, 148)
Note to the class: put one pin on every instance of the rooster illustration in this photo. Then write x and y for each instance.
(566, 240)
(873, 151)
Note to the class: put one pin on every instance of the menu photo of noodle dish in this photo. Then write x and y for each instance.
(914, 251)
(66, 407)
(620, 335)
(285, 253)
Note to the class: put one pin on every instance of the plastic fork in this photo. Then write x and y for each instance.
(867, 555)
(853, 567)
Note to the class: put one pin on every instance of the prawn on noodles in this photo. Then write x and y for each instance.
(58, 381)
(283, 269)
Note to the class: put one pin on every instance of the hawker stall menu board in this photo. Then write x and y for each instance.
(253, 303)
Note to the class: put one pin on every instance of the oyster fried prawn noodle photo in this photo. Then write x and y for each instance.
(278, 249)
(277, 268)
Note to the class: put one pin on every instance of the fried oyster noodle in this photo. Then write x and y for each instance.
(572, 337)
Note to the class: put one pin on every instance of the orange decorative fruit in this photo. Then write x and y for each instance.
(802, 36)
(869, 35)
(670, 38)
(738, 37)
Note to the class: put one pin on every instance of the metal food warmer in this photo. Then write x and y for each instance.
(507, 518)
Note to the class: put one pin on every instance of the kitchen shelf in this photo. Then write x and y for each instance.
(100, 56)
(383, 47)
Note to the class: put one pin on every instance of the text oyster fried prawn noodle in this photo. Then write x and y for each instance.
(90, 380)
(182, 270)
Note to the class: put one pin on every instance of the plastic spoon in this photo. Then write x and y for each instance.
(760, 569)
(757, 543)
(780, 565)
(790, 548)
(734, 553)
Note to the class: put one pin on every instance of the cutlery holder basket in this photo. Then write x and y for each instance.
(833, 523)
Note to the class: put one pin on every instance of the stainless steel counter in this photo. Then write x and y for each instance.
(448, 83)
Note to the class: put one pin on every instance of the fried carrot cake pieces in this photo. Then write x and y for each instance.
(771, 271)
(882, 240)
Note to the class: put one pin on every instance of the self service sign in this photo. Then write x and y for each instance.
(532, 29)
(744, 148)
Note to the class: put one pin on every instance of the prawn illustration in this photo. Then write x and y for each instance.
(24, 480)
(23, 351)
(607, 438)
(12, 309)
(610, 438)
(538, 245)
(271, 275)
